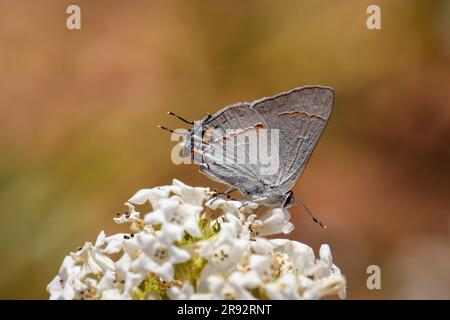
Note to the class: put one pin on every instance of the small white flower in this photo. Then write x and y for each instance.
(223, 252)
(151, 195)
(262, 246)
(274, 221)
(191, 195)
(256, 271)
(110, 287)
(114, 243)
(330, 281)
(92, 259)
(159, 254)
(301, 255)
(183, 216)
(262, 265)
(183, 293)
(114, 294)
(108, 281)
(284, 288)
(226, 249)
(229, 288)
(326, 286)
(65, 285)
(127, 274)
(186, 292)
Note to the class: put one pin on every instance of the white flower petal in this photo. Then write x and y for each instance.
(115, 243)
(170, 233)
(284, 288)
(262, 246)
(229, 289)
(164, 271)
(191, 227)
(103, 261)
(140, 197)
(123, 265)
(151, 195)
(183, 293)
(275, 221)
(178, 255)
(195, 196)
(302, 256)
(250, 279)
(112, 294)
(100, 239)
(154, 218)
(325, 254)
(107, 281)
(146, 241)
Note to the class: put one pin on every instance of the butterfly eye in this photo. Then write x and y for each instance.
(288, 199)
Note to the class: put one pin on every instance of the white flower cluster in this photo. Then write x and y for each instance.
(196, 246)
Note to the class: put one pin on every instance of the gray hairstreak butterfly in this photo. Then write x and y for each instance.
(262, 147)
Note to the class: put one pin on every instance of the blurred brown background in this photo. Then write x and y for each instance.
(79, 109)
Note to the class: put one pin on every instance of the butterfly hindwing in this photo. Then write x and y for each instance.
(301, 116)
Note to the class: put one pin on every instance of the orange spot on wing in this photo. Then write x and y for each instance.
(302, 114)
(257, 126)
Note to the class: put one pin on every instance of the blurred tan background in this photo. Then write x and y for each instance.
(79, 109)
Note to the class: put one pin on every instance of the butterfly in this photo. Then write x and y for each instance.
(227, 151)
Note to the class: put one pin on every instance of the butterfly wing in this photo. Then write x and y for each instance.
(232, 126)
(301, 116)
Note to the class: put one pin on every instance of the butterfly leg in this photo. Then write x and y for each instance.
(225, 194)
(258, 200)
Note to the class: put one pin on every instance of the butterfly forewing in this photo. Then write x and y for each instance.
(228, 147)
